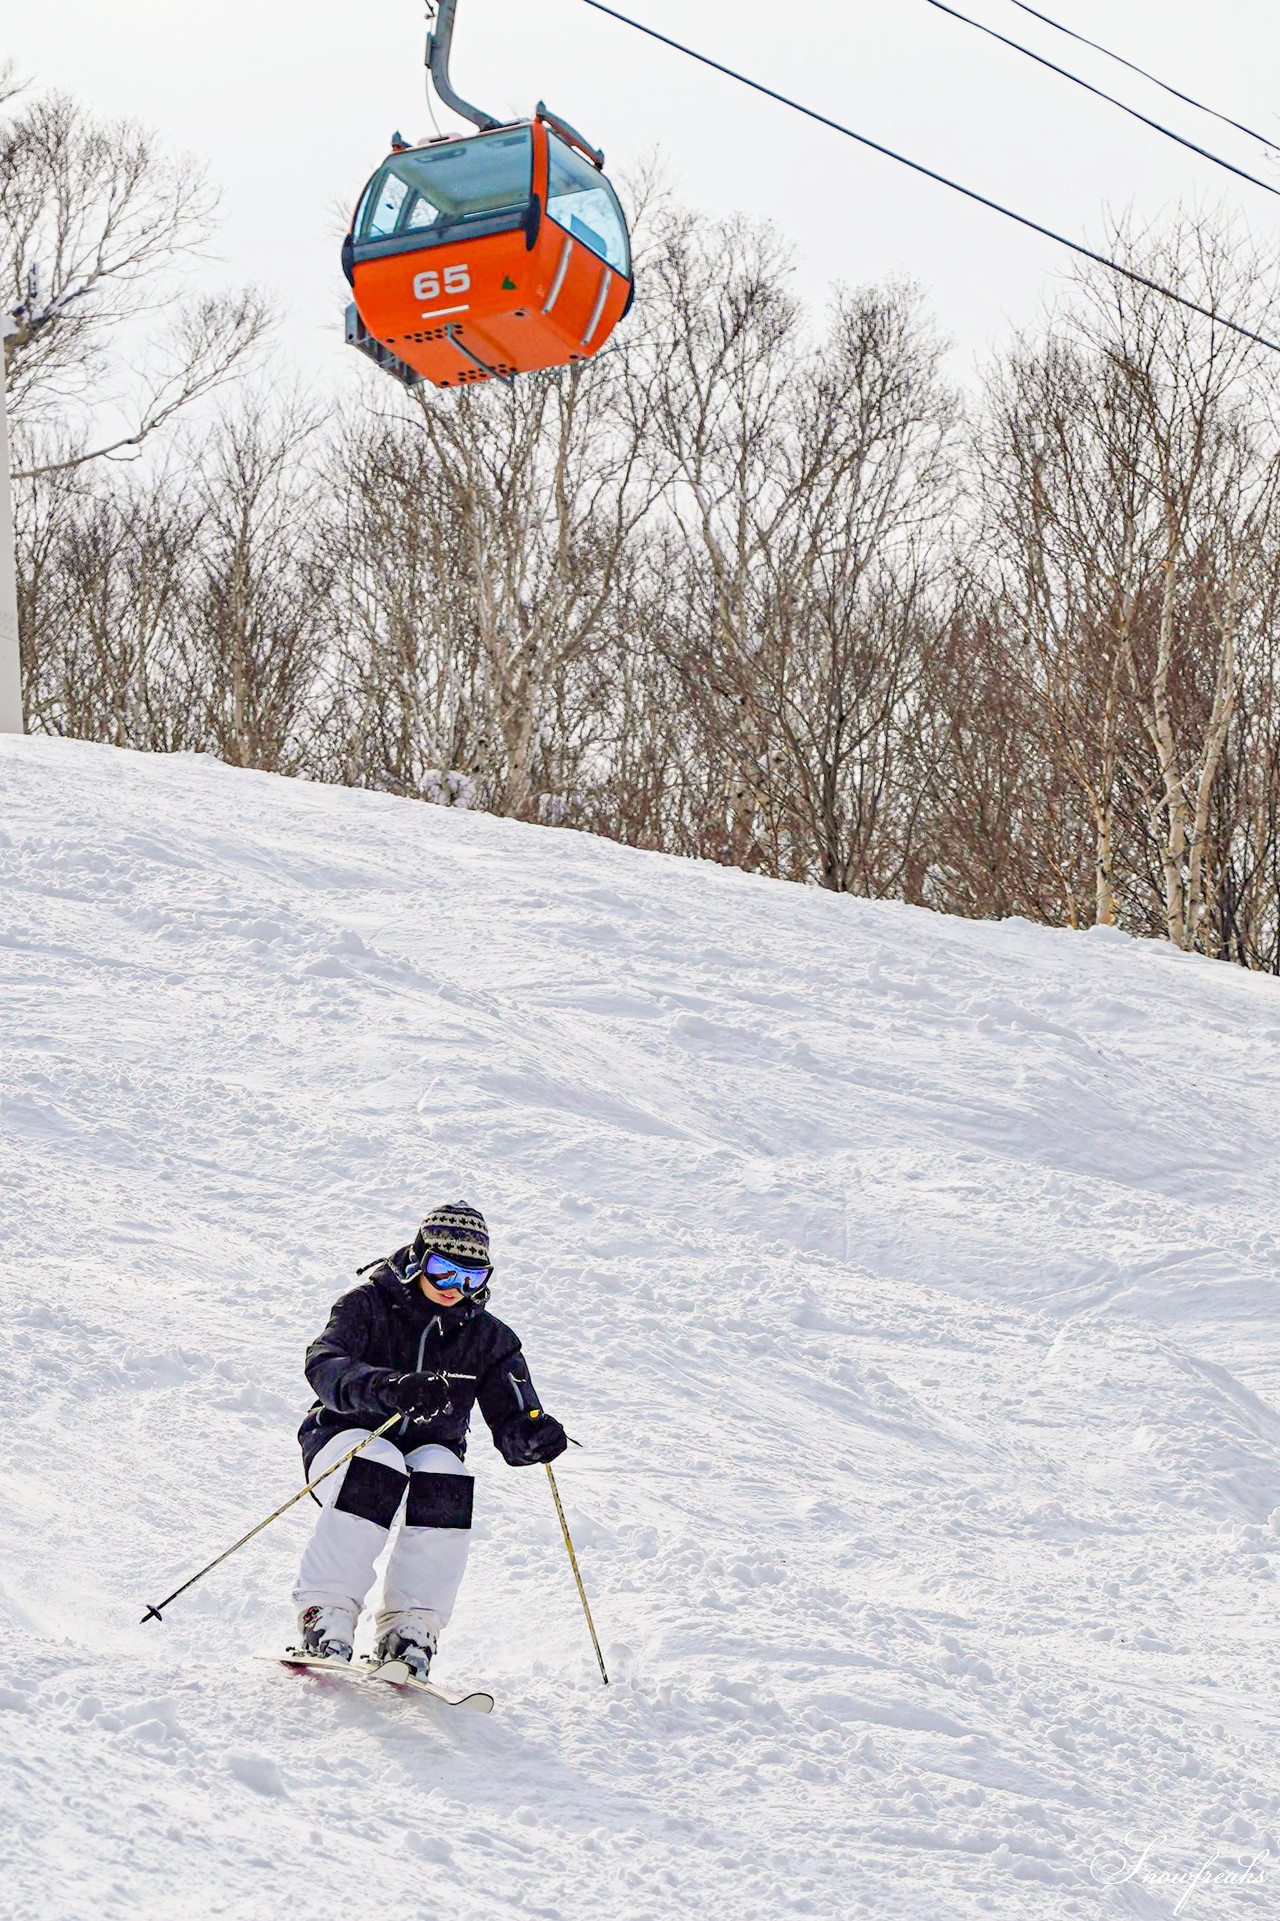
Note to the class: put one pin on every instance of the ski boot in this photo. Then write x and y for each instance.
(328, 1632)
(410, 1641)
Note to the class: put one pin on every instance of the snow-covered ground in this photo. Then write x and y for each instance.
(912, 1284)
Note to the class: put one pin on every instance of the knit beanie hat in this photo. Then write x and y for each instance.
(456, 1228)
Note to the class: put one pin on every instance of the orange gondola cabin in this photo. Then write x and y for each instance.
(498, 253)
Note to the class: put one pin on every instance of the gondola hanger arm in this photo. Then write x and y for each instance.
(439, 41)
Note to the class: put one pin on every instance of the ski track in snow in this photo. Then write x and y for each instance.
(911, 1283)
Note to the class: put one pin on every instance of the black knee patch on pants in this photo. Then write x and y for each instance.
(440, 1500)
(372, 1490)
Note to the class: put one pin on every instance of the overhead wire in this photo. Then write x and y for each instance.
(1164, 85)
(917, 166)
(1157, 125)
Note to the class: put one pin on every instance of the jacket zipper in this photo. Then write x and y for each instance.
(422, 1348)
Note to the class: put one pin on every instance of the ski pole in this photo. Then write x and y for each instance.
(573, 1563)
(155, 1614)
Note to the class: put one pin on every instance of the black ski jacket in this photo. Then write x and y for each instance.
(388, 1326)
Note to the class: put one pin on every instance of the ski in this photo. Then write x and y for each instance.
(395, 1674)
(297, 1658)
(390, 1673)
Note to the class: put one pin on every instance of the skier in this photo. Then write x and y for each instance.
(398, 1344)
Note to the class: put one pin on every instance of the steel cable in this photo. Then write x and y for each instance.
(916, 166)
(1164, 86)
(1156, 125)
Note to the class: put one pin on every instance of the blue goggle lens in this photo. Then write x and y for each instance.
(444, 1272)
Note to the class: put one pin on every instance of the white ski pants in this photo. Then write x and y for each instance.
(429, 1555)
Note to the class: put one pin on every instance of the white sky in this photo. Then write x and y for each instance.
(291, 102)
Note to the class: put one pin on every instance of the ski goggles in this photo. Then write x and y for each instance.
(444, 1271)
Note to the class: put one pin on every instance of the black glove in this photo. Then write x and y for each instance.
(422, 1394)
(532, 1439)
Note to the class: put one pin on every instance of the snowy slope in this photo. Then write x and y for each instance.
(911, 1282)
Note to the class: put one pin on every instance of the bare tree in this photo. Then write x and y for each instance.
(1130, 482)
(1213, 491)
(1060, 452)
(93, 218)
(257, 610)
(105, 610)
(407, 712)
(545, 487)
(1243, 893)
(1003, 830)
(808, 484)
